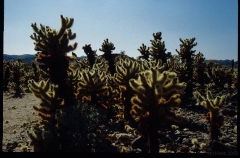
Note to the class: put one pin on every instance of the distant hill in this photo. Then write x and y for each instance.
(224, 62)
(28, 58)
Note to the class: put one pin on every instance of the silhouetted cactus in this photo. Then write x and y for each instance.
(187, 56)
(125, 70)
(90, 54)
(16, 73)
(152, 103)
(107, 48)
(219, 75)
(200, 69)
(92, 84)
(157, 50)
(145, 54)
(53, 47)
(35, 70)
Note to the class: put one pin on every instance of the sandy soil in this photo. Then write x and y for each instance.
(18, 113)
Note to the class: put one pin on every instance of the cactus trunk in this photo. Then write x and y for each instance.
(127, 105)
(214, 132)
(214, 128)
(153, 144)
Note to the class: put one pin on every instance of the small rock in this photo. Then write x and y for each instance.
(186, 141)
(195, 148)
(177, 132)
(235, 118)
(235, 130)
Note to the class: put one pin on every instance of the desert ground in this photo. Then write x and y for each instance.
(18, 113)
(193, 137)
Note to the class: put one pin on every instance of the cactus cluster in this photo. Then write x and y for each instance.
(112, 89)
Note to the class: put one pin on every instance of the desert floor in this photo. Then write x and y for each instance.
(18, 113)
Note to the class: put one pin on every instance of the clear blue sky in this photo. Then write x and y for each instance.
(128, 24)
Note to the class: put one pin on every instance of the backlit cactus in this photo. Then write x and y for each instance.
(145, 54)
(92, 85)
(213, 105)
(91, 55)
(220, 76)
(107, 48)
(16, 75)
(53, 47)
(126, 69)
(42, 137)
(143, 91)
(47, 93)
(146, 65)
(200, 69)
(155, 96)
(187, 55)
(157, 50)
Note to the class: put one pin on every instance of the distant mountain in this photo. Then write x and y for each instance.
(26, 58)
(224, 62)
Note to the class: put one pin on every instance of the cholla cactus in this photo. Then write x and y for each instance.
(187, 55)
(219, 75)
(107, 48)
(101, 64)
(82, 64)
(126, 69)
(157, 50)
(6, 74)
(43, 137)
(54, 47)
(180, 69)
(35, 71)
(92, 85)
(16, 77)
(146, 65)
(213, 105)
(155, 95)
(90, 54)
(235, 80)
(145, 54)
(47, 93)
(200, 69)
